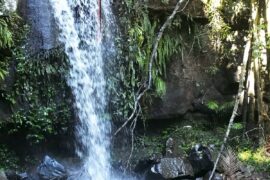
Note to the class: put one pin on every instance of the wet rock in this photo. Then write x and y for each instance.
(149, 175)
(194, 8)
(201, 160)
(12, 175)
(3, 175)
(173, 168)
(169, 147)
(144, 164)
(43, 31)
(216, 176)
(198, 164)
(51, 169)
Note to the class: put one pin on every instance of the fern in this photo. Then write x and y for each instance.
(5, 42)
(220, 109)
(168, 46)
(160, 86)
(225, 107)
(2, 73)
(213, 105)
(5, 35)
(230, 165)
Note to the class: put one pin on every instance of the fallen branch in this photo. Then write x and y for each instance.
(148, 84)
(246, 134)
(236, 104)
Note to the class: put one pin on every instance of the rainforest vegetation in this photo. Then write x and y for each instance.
(207, 82)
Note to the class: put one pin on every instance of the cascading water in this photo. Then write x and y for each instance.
(80, 32)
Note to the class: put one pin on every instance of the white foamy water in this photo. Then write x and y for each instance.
(10, 5)
(80, 32)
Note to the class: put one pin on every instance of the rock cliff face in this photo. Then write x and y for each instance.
(43, 30)
(192, 80)
(188, 82)
(191, 84)
(193, 8)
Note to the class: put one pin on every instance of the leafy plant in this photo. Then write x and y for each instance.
(8, 158)
(213, 105)
(221, 109)
(141, 38)
(237, 126)
(255, 158)
(41, 97)
(212, 70)
(6, 40)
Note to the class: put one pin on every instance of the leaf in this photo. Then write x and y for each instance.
(160, 86)
(213, 105)
(237, 126)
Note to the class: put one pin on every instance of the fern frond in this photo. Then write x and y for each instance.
(160, 86)
(227, 106)
(5, 35)
(230, 165)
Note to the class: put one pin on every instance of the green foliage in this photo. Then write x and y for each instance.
(255, 158)
(8, 158)
(12, 32)
(226, 107)
(151, 145)
(41, 97)
(6, 40)
(140, 35)
(212, 70)
(221, 109)
(185, 135)
(37, 122)
(237, 126)
(226, 29)
(160, 86)
(134, 48)
(213, 105)
(3, 73)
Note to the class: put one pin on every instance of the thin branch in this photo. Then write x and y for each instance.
(148, 84)
(160, 34)
(246, 133)
(133, 126)
(237, 101)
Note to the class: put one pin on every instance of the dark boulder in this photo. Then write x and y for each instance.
(3, 175)
(12, 175)
(201, 160)
(171, 168)
(144, 164)
(51, 169)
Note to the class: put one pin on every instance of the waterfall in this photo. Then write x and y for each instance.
(9, 5)
(79, 24)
